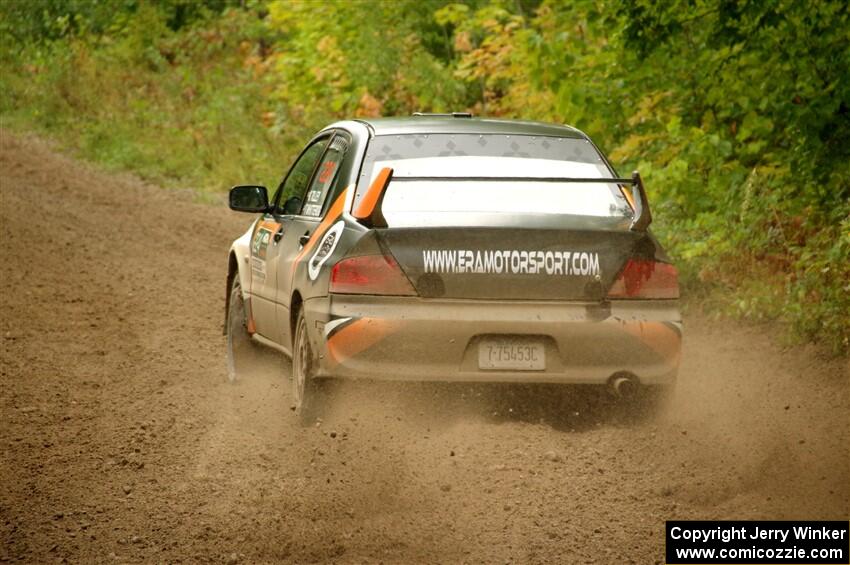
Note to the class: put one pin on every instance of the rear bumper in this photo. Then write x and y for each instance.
(409, 338)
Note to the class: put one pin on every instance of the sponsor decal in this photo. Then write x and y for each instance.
(325, 249)
(261, 243)
(327, 171)
(312, 209)
(512, 262)
(259, 247)
(333, 214)
(258, 269)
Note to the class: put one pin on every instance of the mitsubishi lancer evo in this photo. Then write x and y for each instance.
(449, 248)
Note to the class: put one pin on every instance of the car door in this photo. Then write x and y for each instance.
(301, 226)
(273, 235)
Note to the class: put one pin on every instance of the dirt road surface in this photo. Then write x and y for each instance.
(121, 440)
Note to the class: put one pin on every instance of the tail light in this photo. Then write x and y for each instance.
(642, 278)
(370, 274)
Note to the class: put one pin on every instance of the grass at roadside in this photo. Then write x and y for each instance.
(189, 113)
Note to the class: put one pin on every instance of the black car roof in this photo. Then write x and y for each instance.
(449, 124)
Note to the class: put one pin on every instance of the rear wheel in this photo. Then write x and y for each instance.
(308, 393)
(241, 350)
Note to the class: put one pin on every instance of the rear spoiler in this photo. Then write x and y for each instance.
(368, 210)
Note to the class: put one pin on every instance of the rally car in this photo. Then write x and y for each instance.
(448, 248)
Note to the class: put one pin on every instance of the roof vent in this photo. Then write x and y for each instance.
(439, 115)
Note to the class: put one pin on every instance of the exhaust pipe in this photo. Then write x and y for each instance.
(624, 386)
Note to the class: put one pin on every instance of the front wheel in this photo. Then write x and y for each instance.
(241, 349)
(308, 394)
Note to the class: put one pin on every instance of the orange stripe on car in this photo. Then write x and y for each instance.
(358, 336)
(269, 225)
(366, 207)
(628, 196)
(659, 337)
(333, 214)
(250, 325)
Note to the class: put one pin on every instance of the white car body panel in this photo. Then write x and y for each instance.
(241, 249)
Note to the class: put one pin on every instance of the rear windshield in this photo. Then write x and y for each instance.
(414, 203)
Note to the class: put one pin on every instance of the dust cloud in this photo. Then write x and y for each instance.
(123, 441)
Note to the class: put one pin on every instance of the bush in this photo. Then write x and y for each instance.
(737, 114)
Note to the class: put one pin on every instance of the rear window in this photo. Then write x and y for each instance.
(522, 158)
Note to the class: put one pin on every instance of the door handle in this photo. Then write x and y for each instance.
(304, 239)
(278, 234)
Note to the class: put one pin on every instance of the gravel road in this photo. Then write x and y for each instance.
(122, 441)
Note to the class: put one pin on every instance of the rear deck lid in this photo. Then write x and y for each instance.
(510, 263)
(496, 216)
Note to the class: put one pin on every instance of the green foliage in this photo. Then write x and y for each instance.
(736, 112)
(179, 107)
(752, 133)
(358, 59)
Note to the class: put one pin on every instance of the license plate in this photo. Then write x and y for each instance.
(508, 354)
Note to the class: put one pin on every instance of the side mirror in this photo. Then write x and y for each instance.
(249, 198)
(292, 205)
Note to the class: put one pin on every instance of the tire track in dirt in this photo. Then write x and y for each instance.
(122, 441)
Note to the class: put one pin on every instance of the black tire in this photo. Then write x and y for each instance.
(309, 395)
(241, 349)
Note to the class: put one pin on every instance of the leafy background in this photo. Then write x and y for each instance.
(736, 112)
